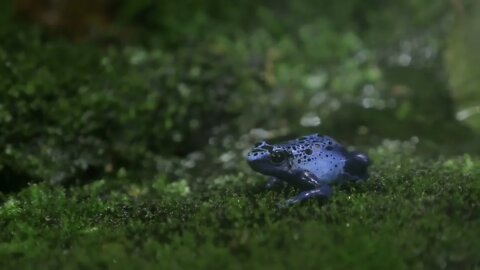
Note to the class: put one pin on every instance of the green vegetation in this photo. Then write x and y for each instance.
(411, 213)
(122, 145)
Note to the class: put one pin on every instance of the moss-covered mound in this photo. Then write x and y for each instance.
(412, 213)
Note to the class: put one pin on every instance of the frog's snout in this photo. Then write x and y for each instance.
(362, 157)
(257, 159)
(259, 152)
(256, 155)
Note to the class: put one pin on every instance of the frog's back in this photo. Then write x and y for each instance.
(321, 155)
(326, 158)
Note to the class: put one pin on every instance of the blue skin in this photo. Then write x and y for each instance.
(311, 163)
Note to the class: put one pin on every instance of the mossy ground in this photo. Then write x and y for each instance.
(123, 130)
(412, 213)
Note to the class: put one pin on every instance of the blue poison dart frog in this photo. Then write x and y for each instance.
(311, 163)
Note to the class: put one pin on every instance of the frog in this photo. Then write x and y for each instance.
(311, 163)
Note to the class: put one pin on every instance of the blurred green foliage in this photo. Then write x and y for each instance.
(78, 112)
(463, 71)
(74, 111)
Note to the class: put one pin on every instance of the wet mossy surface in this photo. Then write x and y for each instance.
(123, 146)
(411, 213)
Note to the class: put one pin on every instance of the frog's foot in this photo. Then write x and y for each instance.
(324, 191)
(274, 182)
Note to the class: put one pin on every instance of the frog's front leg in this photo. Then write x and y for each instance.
(305, 180)
(273, 182)
(311, 183)
(320, 192)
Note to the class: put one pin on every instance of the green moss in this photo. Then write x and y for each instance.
(412, 212)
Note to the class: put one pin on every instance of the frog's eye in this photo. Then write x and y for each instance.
(277, 157)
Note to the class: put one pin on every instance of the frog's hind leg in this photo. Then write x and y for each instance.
(274, 182)
(324, 191)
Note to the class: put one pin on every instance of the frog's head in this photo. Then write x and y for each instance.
(356, 165)
(269, 159)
